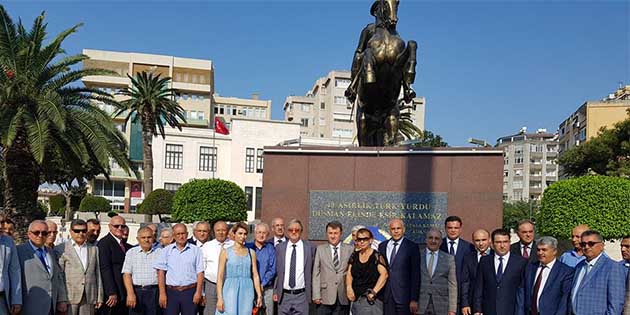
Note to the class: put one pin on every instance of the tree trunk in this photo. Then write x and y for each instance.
(147, 157)
(68, 215)
(21, 173)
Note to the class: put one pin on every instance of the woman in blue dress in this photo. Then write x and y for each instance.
(238, 277)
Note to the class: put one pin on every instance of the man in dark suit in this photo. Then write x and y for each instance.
(456, 246)
(526, 243)
(294, 269)
(111, 254)
(481, 239)
(499, 277)
(546, 283)
(403, 285)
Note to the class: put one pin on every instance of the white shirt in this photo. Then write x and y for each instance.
(211, 251)
(390, 248)
(529, 249)
(82, 252)
(545, 276)
(299, 266)
(455, 244)
(275, 240)
(332, 252)
(479, 254)
(496, 261)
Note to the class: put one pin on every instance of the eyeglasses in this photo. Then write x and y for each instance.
(294, 230)
(588, 244)
(39, 233)
(119, 226)
(53, 232)
(79, 231)
(363, 239)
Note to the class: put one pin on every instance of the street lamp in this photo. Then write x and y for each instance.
(481, 143)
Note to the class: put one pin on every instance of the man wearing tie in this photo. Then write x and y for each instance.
(294, 269)
(457, 247)
(499, 277)
(526, 243)
(625, 253)
(403, 285)
(111, 254)
(547, 282)
(277, 227)
(437, 276)
(481, 239)
(329, 273)
(598, 285)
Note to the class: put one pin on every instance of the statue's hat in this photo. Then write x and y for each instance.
(374, 7)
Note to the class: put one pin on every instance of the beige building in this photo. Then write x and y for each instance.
(324, 112)
(529, 164)
(232, 107)
(589, 118)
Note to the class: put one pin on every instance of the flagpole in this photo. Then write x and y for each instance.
(214, 147)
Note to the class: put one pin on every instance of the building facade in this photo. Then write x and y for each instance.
(324, 112)
(529, 164)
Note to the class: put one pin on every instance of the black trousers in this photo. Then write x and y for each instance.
(146, 301)
(335, 309)
(390, 307)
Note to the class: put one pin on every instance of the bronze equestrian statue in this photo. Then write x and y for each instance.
(382, 66)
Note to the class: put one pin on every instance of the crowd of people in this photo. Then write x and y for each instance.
(279, 272)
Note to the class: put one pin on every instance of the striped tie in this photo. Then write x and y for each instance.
(336, 258)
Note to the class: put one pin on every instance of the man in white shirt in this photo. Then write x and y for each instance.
(211, 251)
(277, 226)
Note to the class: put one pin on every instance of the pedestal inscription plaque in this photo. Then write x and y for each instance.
(419, 210)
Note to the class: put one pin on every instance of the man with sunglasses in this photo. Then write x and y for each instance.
(79, 262)
(43, 288)
(111, 251)
(598, 285)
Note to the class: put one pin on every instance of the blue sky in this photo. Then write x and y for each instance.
(486, 68)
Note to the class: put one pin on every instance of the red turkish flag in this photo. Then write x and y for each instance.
(220, 127)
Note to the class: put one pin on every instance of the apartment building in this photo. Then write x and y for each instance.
(324, 112)
(232, 107)
(529, 164)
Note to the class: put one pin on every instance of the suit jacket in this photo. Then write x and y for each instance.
(309, 256)
(554, 296)
(498, 298)
(79, 280)
(468, 277)
(601, 290)
(515, 249)
(10, 268)
(41, 290)
(329, 284)
(463, 248)
(442, 286)
(403, 285)
(626, 303)
(111, 259)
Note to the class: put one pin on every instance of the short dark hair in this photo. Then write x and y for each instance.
(334, 225)
(365, 230)
(624, 238)
(240, 225)
(503, 232)
(77, 222)
(593, 232)
(94, 221)
(453, 218)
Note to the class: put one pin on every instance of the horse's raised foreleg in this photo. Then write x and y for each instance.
(409, 71)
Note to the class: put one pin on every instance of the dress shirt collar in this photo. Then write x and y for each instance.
(400, 240)
(428, 252)
(116, 238)
(140, 250)
(215, 242)
(74, 244)
(332, 247)
(594, 260)
(549, 265)
(186, 246)
(35, 248)
(529, 246)
(275, 239)
(506, 257)
(448, 242)
(298, 243)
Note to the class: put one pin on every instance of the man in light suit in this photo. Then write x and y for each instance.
(10, 278)
(43, 289)
(329, 273)
(294, 268)
(546, 283)
(79, 261)
(437, 277)
(403, 286)
(481, 239)
(499, 277)
(598, 285)
(526, 246)
(453, 244)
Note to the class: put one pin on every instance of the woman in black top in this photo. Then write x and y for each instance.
(367, 274)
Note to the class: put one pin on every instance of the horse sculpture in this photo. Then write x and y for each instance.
(382, 66)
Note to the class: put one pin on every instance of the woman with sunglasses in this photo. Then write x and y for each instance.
(367, 274)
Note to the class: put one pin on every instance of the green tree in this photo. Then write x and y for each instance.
(209, 200)
(513, 212)
(159, 201)
(152, 101)
(96, 204)
(57, 204)
(602, 202)
(606, 154)
(407, 130)
(44, 113)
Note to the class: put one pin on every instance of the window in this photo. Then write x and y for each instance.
(174, 156)
(322, 105)
(518, 149)
(518, 172)
(304, 122)
(208, 159)
(119, 188)
(108, 189)
(259, 160)
(249, 160)
(518, 159)
(172, 187)
(506, 173)
(340, 100)
(552, 148)
(342, 83)
(306, 107)
(517, 184)
(518, 195)
(249, 192)
(342, 133)
(258, 203)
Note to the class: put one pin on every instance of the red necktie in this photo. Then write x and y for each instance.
(525, 252)
(536, 289)
(122, 246)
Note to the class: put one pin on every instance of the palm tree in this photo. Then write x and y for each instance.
(151, 100)
(406, 128)
(44, 113)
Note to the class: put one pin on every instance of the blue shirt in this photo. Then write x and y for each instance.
(265, 262)
(571, 258)
(182, 266)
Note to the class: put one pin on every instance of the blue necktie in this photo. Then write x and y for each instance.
(452, 250)
(292, 267)
(500, 270)
(40, 254)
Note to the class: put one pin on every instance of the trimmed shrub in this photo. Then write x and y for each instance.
(159, 201)
(57, 204)
(602, 202)
(209, 200)
(95, 204)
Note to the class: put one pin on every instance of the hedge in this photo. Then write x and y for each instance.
(209, 200)
(95, 204)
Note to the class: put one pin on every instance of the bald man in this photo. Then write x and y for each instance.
(111, 253)
(481, 241)
(574, 256)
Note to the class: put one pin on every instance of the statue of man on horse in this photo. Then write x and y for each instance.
(382, 67)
